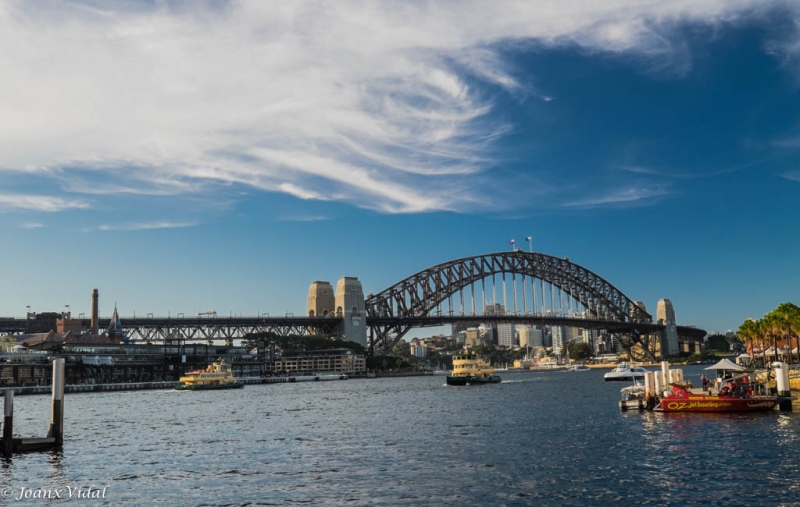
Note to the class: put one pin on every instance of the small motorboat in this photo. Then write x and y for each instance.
(578, 367)
(624, 371)
(633, 396)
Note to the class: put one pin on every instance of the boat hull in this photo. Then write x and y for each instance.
(209, 387)
(469, 380)
(712, 403)
(608, 377)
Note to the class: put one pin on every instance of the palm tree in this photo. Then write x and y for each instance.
(748, 333)
(773, 329)
(787, 316)
(778, 325)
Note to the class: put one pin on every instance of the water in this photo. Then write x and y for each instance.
(538, 438)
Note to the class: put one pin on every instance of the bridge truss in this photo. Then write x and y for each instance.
(221, 328)
(555, 287)
(551, 291)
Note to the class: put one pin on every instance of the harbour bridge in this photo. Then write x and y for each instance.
(535, 289)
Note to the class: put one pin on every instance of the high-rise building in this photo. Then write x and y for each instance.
(524, 333)
(557, 333)
(537, 338)
(571, 334)
(665, 314)
(472, 337)
(458, 327)
(641, 306)
(506, 335)
(493, 309)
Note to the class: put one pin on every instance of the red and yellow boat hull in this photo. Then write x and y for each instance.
(681, 400)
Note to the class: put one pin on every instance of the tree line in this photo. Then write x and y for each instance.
(778, 329)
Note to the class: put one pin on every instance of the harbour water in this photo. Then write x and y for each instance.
(538, 438)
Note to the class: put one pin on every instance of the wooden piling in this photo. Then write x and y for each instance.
(8, 423)
(56, 430)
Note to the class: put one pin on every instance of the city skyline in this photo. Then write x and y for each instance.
(223, 156)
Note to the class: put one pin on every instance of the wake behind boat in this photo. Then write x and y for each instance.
(624, 371)
(469, 369)
(578, 367)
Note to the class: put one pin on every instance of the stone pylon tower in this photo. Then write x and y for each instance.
(320, 299)
(350, 306)
(665, 314)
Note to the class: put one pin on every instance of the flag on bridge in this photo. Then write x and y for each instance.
(511, 242)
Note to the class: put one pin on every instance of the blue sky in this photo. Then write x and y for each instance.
(182, 157)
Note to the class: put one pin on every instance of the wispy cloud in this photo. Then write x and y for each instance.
(32, 225)
(304, 218)
(791, 175)
(379, 104)
(629, 197)
(698, 174)
(141, 226)
(10, 202)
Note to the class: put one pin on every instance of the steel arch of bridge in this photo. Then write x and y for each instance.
(421, 293)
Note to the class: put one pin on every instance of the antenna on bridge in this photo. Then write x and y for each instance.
(530, 244)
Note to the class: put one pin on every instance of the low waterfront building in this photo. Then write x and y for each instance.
(7, 344)
(320, 361)
(94, 362)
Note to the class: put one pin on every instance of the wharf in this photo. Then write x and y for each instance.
(169, 384)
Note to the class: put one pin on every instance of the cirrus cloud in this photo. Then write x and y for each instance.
(380, 104)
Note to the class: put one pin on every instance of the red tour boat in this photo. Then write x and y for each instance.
(736, 395)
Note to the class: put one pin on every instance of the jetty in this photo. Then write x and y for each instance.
(55, 434)
(167, 384)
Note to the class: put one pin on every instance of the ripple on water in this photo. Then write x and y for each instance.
(536, 438)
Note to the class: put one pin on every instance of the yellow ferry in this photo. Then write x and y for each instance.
(217, 375)
(469, 369)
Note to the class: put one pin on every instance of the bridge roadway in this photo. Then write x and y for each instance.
(219, 328)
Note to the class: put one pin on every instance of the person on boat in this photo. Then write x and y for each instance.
(704, 380)
(730, 388)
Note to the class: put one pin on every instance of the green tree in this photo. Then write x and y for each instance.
(782, 323)
(749, 333)
(577, 350)
(718, 343)
(300, 343)
(791, 313)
